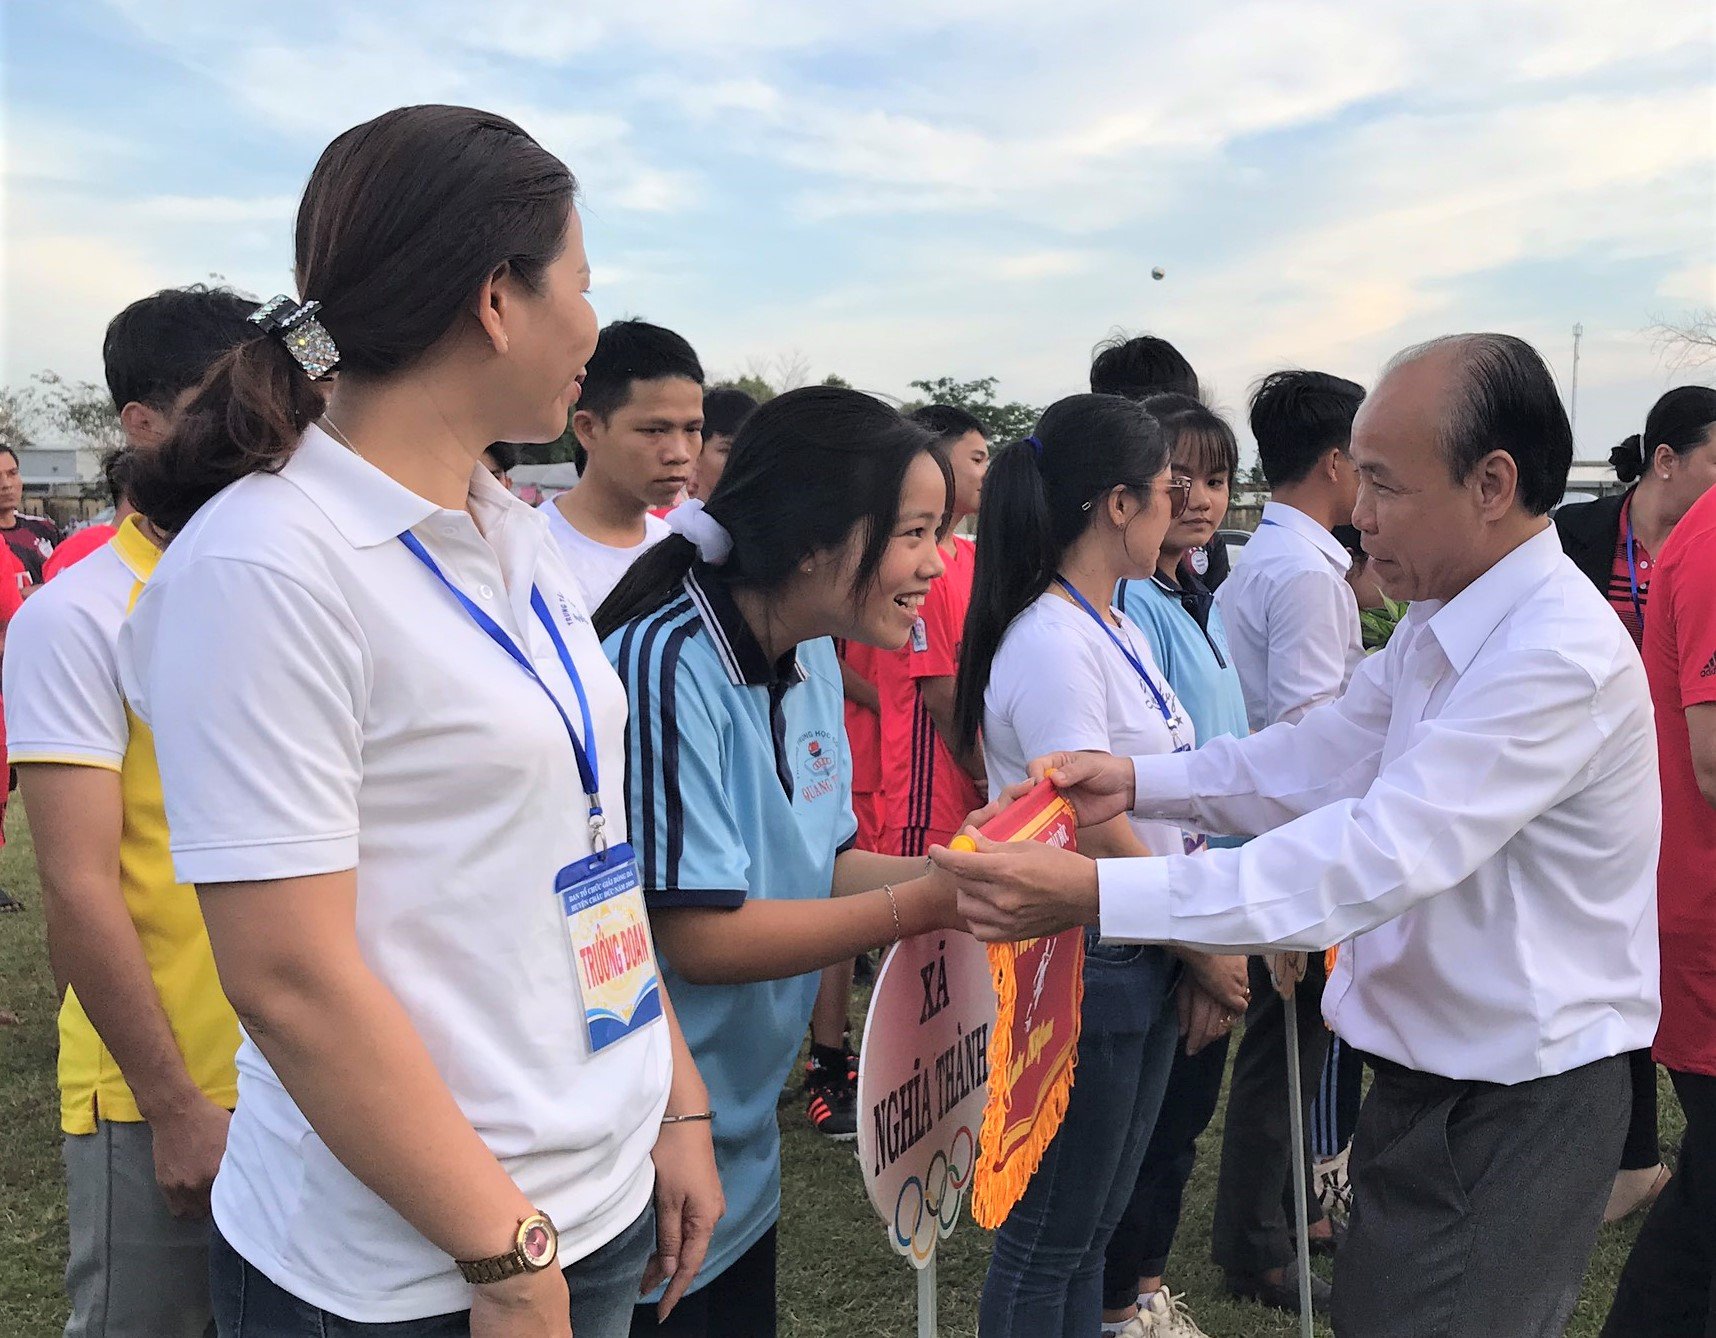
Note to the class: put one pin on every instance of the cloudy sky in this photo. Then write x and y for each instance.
(915, 188)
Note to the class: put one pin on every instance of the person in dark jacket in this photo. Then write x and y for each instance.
(1616, 541)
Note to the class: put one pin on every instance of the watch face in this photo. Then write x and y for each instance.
(536, 1243)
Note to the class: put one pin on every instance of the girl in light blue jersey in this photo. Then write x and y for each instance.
(824, 524)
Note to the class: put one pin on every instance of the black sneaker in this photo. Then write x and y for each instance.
(832, 1100)
(1279, 1295)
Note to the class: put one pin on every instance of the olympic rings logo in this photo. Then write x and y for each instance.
(934, 1207)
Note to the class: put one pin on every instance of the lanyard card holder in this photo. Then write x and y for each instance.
(608, 929)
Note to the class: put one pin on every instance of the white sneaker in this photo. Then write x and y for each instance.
(1334, 1183)
(1139, 1326)
(1168, 1316)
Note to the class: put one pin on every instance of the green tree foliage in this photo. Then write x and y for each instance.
(1004, 422)
(752, 384)
(54, 409)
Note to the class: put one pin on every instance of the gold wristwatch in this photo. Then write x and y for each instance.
(534, 1246)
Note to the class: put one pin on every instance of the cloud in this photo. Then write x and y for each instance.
(980, 187)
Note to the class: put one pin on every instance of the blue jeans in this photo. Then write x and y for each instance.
(603, 1286)
(1045, 1275)
(1145, 1235)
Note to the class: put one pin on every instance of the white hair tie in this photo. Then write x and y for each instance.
(708, 535)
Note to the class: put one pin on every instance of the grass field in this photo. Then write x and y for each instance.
(838, 1277)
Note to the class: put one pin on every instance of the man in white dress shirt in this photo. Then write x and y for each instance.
(1293, 627)
(1479, 815)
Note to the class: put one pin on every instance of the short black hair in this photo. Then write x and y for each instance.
(633, 350)
(948, 421)
(11, 451)
(1297, 416)
(505, 455)
(1506, 400)
(161, 345)
(116, 467)
(724, 408)
(1139, 367)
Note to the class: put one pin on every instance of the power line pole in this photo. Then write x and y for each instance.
(1573, 407)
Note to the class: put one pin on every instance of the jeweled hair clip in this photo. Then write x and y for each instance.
(295, 325)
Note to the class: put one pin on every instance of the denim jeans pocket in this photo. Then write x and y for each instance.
(1105, 952)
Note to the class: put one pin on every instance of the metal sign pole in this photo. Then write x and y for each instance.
(927, 1323)
(1301, 1204)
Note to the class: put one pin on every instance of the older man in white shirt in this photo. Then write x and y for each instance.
(1479, 813)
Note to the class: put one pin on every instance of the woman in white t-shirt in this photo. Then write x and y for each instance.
(392, 754)
(1047, 666)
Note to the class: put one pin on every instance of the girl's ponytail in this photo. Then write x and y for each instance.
(1016, 559)
(1037, 499)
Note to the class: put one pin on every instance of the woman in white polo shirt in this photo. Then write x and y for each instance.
(393, 760)
(1067, 514)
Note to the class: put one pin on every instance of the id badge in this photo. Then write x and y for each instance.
(608, 928)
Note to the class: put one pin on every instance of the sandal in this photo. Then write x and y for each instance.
(1620, 1209)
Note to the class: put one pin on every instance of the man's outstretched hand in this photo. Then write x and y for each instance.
(1099, 786)
(1012, 890)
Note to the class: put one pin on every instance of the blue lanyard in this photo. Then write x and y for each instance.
(1633, 571)
(1131, 658)
(584, 752)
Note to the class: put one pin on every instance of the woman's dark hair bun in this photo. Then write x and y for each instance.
(1627, 460)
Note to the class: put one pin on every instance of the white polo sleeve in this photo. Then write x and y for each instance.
(1049, 687)
(254, 686)
(63, 702)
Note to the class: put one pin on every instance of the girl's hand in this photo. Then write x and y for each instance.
(688, 1204)
(1225, 979)
(1203, 1020)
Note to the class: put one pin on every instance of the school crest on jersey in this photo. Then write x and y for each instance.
(818, 763)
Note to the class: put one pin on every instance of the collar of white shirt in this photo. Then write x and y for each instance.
(1462, 624)
(370, 509)
(1295, 521)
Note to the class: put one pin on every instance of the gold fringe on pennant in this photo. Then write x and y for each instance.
(998, 1185)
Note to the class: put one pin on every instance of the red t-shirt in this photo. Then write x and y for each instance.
(76, 547)
(13, 579)
(926, 791)
(1680, 658)
(863, 726)
(1623, 574)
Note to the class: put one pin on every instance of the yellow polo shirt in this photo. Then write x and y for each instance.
(64, 705)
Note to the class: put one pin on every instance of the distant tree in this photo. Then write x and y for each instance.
(14, 419)
(754, 386)
(1689, 340)
(556, 452)
(53, 407)
(835, 379)
(1004, 422)
(81, 409)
